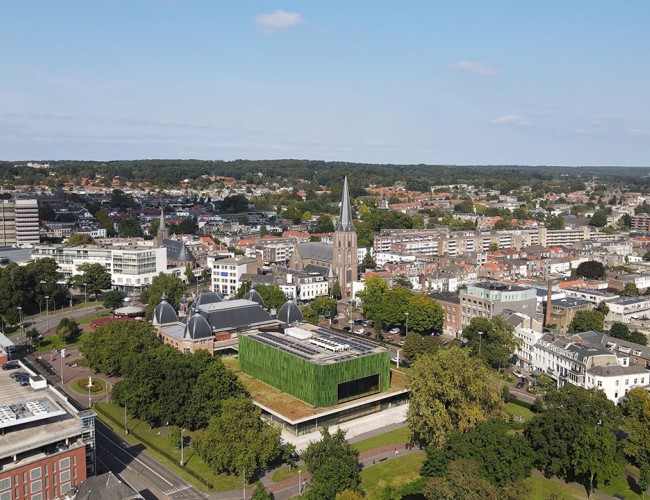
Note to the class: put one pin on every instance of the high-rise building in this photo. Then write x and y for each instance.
(19, 222)
(344, 261)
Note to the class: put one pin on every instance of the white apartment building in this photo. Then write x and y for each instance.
(226, 273)
(131, 268)
(625, 309)
(489, 299)
(616, 381)
(383, 258)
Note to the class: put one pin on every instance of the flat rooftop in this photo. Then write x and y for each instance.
(315, 344)
(33, 418)
(295, 410)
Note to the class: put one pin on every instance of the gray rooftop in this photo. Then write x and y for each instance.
(615, 370)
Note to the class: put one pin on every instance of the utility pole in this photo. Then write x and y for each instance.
(480, 338)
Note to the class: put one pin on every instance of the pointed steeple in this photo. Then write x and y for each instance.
(162, 219)
(345, 215)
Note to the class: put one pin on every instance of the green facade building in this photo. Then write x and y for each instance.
(320, 367)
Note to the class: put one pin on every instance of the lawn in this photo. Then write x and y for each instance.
(54, 342)
(395, 472)
(519, 411)
(621, 486)
(283, 473)
(158, 438)
(394, 437)
(542, 488)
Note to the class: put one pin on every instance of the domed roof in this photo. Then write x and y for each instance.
(197, 328)
(164, 313)
(206, 298)
(255, 297)
(183, 299)
(290, 313)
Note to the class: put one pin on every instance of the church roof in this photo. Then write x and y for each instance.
(322, 270)
(290, 313)
(316, 251)
(176, 250)
(345, 215)
(164, 313)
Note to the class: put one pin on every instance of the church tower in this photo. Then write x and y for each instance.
(163, 233)
(344, 254)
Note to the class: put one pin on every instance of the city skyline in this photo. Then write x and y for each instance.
(437, 83)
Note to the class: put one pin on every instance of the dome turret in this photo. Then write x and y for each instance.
(290, 313)
(164, 313)
(197, 328)
(254, 296)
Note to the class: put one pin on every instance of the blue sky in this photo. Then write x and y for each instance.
(439, 82)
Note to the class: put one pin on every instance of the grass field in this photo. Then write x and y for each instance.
(54, 342)
(542, 488)
(158, 437)
(396, 436)
(519, 411)
(284, 473)
(395, 472)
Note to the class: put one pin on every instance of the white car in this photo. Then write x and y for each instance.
(360, 331)
(393, 331)
(517, 374)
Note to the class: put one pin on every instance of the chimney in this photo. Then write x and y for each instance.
(549, 304)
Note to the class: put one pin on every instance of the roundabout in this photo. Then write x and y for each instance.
(99, 386)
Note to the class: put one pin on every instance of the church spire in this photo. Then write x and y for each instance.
(345, 215)
(161, 226)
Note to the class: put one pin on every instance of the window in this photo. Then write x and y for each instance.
(65, 476)
(36, 486)
(600, 383)
(5, 496)
(627, 381)
(64, 488)
(5, 484)
(35, 473)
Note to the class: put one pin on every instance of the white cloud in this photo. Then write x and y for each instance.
(516, 120)
(639, 132)
(278, 21)
(474, 67)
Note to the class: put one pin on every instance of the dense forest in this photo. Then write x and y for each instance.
(167, 173)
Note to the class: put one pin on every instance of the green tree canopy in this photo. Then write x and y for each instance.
(416, 345)
(113, 299)
(238, 441)
(129, 228)
(496, 343)
(591, 269)
(107, 348)
(78, 239)
(451, 392)
(622, 331)
(324, 224)
(324, 306)
(272, 295)
(576, 435)
(585, 321)
(599, 219)
(95, 277)
(636, 425)
(334, 466)
(163, 284)
(67, 329)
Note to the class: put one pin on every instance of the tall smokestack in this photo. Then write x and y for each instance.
(549, 304)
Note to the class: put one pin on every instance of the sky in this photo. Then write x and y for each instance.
(454, 82)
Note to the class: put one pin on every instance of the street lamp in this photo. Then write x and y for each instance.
(299, 481)
(126, 429)
(85, 299)
(480, 338)
(182, 458)
(22, 325)
(47, 311)
(407, 322)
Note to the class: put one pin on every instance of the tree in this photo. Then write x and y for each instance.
(630, 290)
(416, 345)
(324, 306)
(238, 441)
(591, 269)
(496, 341)
(585, 321)
(113, 299)
(78, 239)
(367, 263)
(336, 291)
(174, 435)
(576, 435)
(106, 222)
(33, 335)
(163, 284)
(93, 278)
(186, 226)
(273, 296)
(425, 314)
(644, 479)
(493, 247)
(502, 224)
(393, 306)
(622, 331)
(334, 466)
(450, 392)
(260, 492)
(348, 495)
(189, 275)
(554, 222)
(106, 349)
(465, 206)
(599, 219)
(324, 224)
(602, 308)
(636, 424)
(129, 228)
(462, 479)
(67, 329)
(309, 315)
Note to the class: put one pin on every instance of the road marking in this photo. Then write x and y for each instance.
(177, 489)
(136, 458)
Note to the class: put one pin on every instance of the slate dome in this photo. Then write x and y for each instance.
(198, 328)
(164, 313)
(290, 313)
(253, 296)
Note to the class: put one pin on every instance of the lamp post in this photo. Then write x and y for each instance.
(22, 325)
(126, 429)
(480, 338)
(299, 481)
(243, 479)
(182, 457)
(407, 322)
(47, 311)
(90, 383)
(85, 299)
(61, 353)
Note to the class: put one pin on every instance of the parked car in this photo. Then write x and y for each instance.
(360, 331)
(524, 380)
(11, 365)
(19, 374)
(350, 322)
(517, 374)
(393, 331)
(519, 385)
